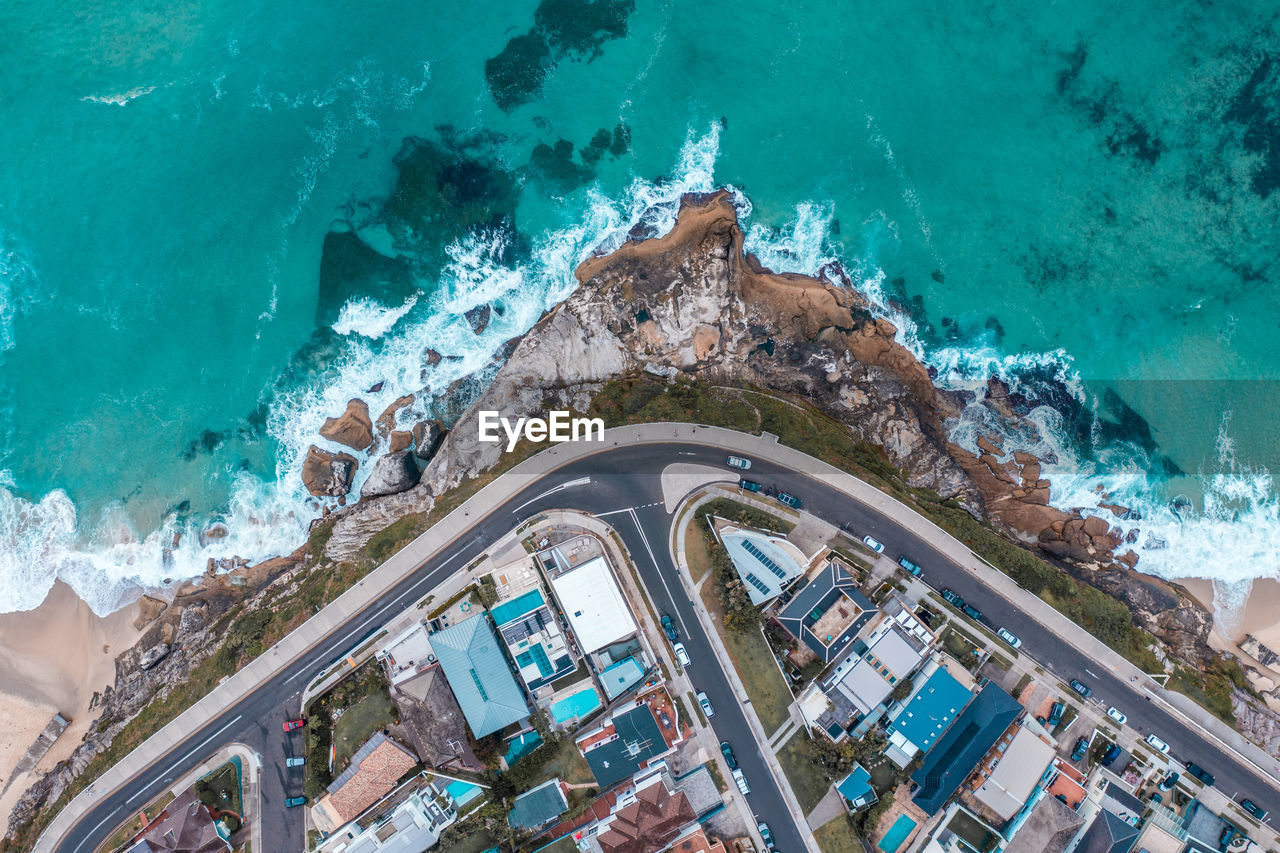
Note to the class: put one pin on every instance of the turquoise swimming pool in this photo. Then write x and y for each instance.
(521, 746)
(577, 705)
(462, 792)
(897, 834)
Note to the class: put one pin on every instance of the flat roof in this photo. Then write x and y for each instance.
(516, 607)
(896, 652)
(637, 740)
(864, 686)
(594, 605)
(1016, 774)
(931, 708)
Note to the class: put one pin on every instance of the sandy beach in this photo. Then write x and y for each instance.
(52, 660)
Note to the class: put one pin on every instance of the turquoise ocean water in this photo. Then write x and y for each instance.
(220, 221)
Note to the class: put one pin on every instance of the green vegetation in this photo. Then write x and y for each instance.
(753, 659)
(1213, 687)
(743, 515)
(973, 833)
(358, 723)
(344, 718)
(487, 591)
(808, 778)
(697, 550)
(134, 825)
(645, 399)
(220, 790)
(960, 647)
(837, 836)
(865, 822)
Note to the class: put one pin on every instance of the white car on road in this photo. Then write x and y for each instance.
(682, 654)
(1009, 638)
(1155, 743)
(874, 544)
(706, 704)
(739, 462)
(1114, 713)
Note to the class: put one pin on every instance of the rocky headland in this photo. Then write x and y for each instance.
(693, 304)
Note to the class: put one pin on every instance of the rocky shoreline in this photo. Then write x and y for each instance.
(690, 303)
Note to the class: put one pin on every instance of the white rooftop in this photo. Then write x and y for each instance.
(1016, 774)
(594, 605)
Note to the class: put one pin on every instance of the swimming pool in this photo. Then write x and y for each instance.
(521, 746)
(577, 705)
(897, 834)
(462, 792)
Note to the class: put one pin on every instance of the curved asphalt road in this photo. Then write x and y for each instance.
(621, 479)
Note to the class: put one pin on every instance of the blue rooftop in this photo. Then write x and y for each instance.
(930, 709)
(959, 750)
(856, 788)
(478, 674)
(621, 676)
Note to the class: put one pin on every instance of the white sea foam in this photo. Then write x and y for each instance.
(370, 318)
(120, 99)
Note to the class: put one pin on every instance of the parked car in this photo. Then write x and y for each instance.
(952, 598)
(295, 801)
(874, 544)
(790, 500)
(1254, 809)
(1081, 688)
(1198, 772)
(1081, 750)
(1157, 744)
(1009, 637)
(1112, 753)
(706, 704)
(1115, 714)
(741, 779)
(749, 485)
(738, 462)
(682, 654)
(294, 762)
(911, 567)
(1167, 783)
(291, 725)
(972, 612)
(670, 628)
(727, 752)
(766, 836)
(1055, 713)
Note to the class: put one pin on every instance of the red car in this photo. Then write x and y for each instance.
(290, 725)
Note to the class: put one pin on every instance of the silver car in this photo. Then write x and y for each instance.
(706, 704)
(739, 462)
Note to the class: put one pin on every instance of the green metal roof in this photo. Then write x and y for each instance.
(479, 675)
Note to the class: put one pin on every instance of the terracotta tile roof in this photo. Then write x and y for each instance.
(376, 777)
(697, 842)
(646, 825)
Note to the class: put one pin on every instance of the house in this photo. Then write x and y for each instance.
(533, 637)
(697, 842)
(1108, 833)
(1049, 828)
(412, 822)
(623, 744)
(955, 755)
(766, 564)
(536, 808)
(374, 771)
(828, 612)
(933, 704)
(478, 674)
(646, 821)
(185, 826)
(856, 789)
(1015, 773)
(594, 605)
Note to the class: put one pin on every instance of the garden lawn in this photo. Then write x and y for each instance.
(567, 764)
(357, 724)
(808, 781)
(755, 664)
(836, 836)
(695, 549)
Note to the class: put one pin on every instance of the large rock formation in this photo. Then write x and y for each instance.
(391, 474)
(352, 428)
(327, 474)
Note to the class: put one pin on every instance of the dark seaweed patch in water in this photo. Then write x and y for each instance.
(206, 444)
(1100, 104)
(443, 191)
(1256, 109)
(562, 29)
(1132, 139)
(555, 165)
(350, 268)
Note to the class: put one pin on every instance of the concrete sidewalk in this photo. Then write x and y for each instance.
(456, 524)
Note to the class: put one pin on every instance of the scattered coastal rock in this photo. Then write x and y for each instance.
(153, 656)
(398, 440)
(1259, 652)
(352, 428)
(478, 317)
(391, 474)
(386, 421)
(427, 436)
(327, 474)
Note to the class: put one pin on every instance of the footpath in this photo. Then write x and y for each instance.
(365, 593)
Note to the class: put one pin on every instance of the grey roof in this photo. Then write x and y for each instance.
(478, 672)
(538, 806)
(865, 687)
(1107, 834)
(962, 746)
(900, 652)
(816, 598)
(700, 787)
(639, 740)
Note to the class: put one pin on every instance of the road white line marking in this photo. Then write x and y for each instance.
(658, 569)
(1090, 674)
(581, 481)
(81, 845)
(173, 767)
(614, 512)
